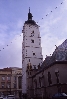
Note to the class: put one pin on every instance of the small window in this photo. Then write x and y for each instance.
(8, 78)
(29, 60)
(33, 53)
(8, 85)
(32, 41)
(32, 31)
(3, 78)
(3, 85)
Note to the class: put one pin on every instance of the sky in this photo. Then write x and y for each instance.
(51, 16)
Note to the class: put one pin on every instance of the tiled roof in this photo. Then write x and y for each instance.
(60, 54)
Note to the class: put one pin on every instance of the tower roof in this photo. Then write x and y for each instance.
(30, 21)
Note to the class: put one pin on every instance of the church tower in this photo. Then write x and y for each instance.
(31, 48)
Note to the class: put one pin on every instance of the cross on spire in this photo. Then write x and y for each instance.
(29, 15)
(29, 9)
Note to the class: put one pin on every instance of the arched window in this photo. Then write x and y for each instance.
(57, 76)
(35, 87)
(35, 83)
(49, 78)
(40, 81)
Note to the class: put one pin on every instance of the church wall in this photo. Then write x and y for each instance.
(61, 68)
(43, 88)
(38, 86)
(62, 76)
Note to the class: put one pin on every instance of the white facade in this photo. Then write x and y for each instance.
(31, 50)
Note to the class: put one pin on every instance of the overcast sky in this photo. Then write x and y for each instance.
(13, 14)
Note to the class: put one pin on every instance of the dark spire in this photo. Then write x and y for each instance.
(29, 9)
(29, 15)
(30, 21)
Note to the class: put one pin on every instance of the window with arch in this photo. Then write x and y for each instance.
(35, 83)
(40, 81)
(49, 78)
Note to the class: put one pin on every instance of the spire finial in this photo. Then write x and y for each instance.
(29, 9)
(29, 15)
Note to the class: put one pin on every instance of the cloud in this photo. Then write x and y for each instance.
(3, 35)
(64, 6)
(11, 55)
(50, 34)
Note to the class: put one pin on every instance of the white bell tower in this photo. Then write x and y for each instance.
(31, 48)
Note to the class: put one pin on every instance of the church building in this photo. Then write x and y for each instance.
(41, 79)
(31, 49)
